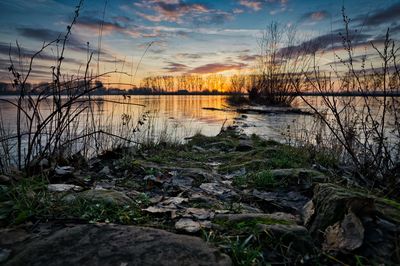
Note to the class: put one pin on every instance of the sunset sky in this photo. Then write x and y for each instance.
(192, 36)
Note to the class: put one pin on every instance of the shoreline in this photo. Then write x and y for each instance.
(218, 189)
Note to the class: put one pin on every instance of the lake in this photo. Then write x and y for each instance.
(174, 118)
(181, 115)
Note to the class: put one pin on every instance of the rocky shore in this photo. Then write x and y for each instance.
(228, 199)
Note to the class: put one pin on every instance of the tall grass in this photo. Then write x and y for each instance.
(58, 119)
(364, 130)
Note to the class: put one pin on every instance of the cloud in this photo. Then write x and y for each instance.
(6, 49)
(47, 35)
(255, 5)
(189, 56)
(216, 67)
(248, 58)
(179, 11)
(238, 11)
(123, 19)
(94, 24)
(381, 16)
(315, 16)
(327, 42)
(175, 67)
(171, 11)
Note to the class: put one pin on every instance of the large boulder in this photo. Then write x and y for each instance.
(351, 222)
(117, 245)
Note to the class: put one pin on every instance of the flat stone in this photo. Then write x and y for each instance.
(63, 188)
(117, 245)
(64, 170)
(216, 189)
(182, 182)
(198, 213)
(187, 225)
(104, 196)
(291, 201)
(174, 201)
(157, 209)
(298, 178)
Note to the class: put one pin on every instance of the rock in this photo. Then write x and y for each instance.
(187, 225)
(352, 219)
(298, 178)
(102, 196)
(105, 184)
(240, 172)
(156, 209)
(198, 175)
(199, 214)
(9, 236)
(273, 218)
(244, 145)
(4, 254)
(63, 188)
(117, 245)
(174, 201)
(245, 208)
(291, 201)
(105, 171)
(169, 205)
(182, 182)
(202, 198)
(64, 170)
(226, 146)
(331, 204)
(216, 189)
(345, 236)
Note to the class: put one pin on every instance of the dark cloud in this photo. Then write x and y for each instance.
(381, 16)
(47, 35)
(326, 42)
(216, 67)
(94, 23)
(248, 58)
(6, 49)
(175, 67)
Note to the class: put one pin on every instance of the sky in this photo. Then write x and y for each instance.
(180, 36)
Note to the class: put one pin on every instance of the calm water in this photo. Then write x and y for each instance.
(180, 115)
